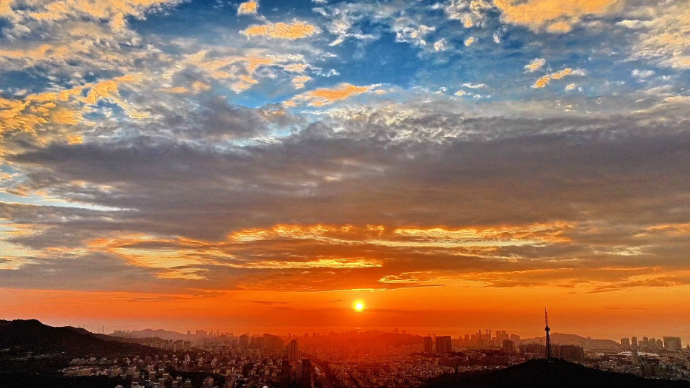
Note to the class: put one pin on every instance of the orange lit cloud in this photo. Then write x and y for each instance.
(114, 10)
(6, 7)
(325, 96)
(556, 16)
(671, 229)
(299, 81)
(535, 65)
(291, 31)
(58, 109)
(545, 80)
(666, 38)
(296, 67)
(248, 8)
(239, 72)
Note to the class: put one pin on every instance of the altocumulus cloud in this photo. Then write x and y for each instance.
(361, 200)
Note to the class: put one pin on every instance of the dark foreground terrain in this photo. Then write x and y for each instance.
(31, 355)
(549, 374)
(20, 337)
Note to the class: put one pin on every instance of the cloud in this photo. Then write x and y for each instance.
(6, 7)
(545, 80)
(665, 38)
(326, 96)
(291, 31)
(440, 45)
(541, 201)
(404, 32)
(469, 13)
(268, 302)
(52, 112)
(551, 15)
(535, 65)
(248, 8)
(300, 81)
(641, 74)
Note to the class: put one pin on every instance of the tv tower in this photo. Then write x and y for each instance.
(548, 338)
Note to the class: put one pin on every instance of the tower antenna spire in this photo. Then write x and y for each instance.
(548, 337)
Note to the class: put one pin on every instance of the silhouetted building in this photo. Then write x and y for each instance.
(285, 372)
(508, 346)
(306, 374)
(428, 345)
(634, 342)
(572, 353)
(625, 343)
(444, 345)
(244, 341)
(257, 343)
(531, 351)
(293, 351)
(672, 343)
(273, 342)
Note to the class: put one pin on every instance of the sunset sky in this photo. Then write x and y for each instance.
(452, 165)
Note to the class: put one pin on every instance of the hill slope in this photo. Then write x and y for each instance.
(550, 374)
(22, 336)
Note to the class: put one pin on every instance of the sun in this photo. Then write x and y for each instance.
(359, 306)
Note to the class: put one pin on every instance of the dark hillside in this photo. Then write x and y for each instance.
(549, 374)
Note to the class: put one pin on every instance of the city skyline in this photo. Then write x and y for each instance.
(446, 164)
(628, 342)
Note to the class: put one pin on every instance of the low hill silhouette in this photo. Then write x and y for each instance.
(549, 374)
(23, 336)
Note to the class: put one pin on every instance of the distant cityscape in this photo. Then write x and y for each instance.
(365, 359)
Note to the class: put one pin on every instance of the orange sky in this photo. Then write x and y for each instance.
(455, 309)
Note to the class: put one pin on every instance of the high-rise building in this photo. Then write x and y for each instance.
(244, 341)
(634, 342)
(306, 374)
(273, 342)
(531, 351)
(285, 373)
(672, 343)
(572, 353)
(428, 345)
(625, 343)
(652, 343)
(293, 351)
(444, 345)
(508, 346)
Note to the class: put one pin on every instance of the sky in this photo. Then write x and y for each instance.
(453, 165)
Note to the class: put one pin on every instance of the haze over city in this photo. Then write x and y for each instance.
(313, 166)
